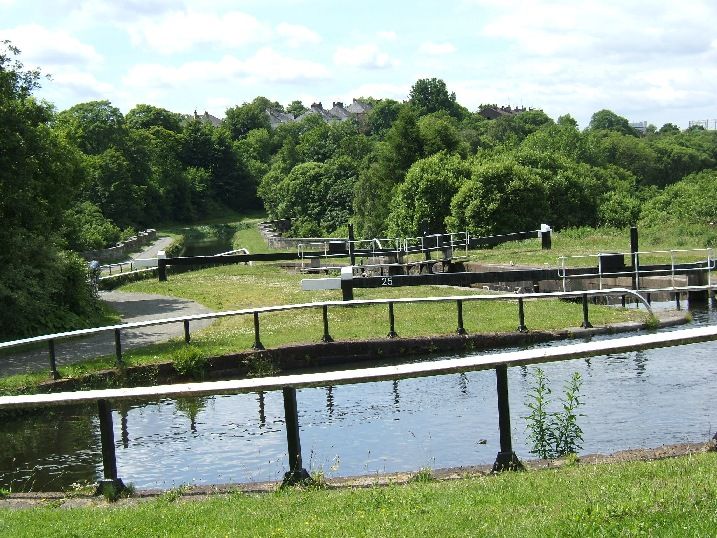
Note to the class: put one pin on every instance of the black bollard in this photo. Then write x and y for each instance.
(392, 322)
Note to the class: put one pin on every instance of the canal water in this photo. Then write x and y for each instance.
(633, 400)
(207, 240)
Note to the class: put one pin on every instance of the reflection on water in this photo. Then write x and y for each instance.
(636, 399)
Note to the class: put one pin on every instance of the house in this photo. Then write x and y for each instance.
(205, 118)
(277, 117)
(493, 112)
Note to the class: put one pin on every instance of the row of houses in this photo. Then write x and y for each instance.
(338, 112)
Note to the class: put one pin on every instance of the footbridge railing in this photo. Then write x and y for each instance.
(288, 384)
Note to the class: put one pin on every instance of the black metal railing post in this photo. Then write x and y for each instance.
(461, 330)
(352, 254)
(586, 322)
(118, 349)
(111, 484)
(162, 270)
(187, 336)
(296, 472)
(634, 249)
(506, 459)
(391, 322)
(677, 301)
(258, 346)
(53, 360)
(327, 337)
(521, 316)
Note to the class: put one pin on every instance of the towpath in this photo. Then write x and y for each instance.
(132, 307)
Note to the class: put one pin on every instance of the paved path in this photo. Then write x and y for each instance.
(132, 307)
(151, 251)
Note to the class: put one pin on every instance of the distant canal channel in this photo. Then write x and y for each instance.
(640, 399)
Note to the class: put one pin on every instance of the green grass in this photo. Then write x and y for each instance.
(673, 497)
(590, 241)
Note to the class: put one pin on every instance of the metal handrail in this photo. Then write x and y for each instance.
(300, 306)
(709, 265)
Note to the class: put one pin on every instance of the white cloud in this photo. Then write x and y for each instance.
(388, 36)
(367, 56)
(264, 66)
(297, 35)
(436, 49)
(50, 48)
(180, 31)
(399, 92)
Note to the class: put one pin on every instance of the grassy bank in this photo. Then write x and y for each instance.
(672, 497)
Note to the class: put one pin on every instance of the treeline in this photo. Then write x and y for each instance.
(82, 178)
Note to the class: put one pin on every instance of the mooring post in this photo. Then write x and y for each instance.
(392, 322)
(546, 241)
(110, 485)
(622, 301)
(677, 300)
(521, 316)
(634, 249)
(187, 336)
(506, 459)
(327, 337)
(461, 330)
(53, 360)
(258, 346)
(347, 283)
(352, 256)
(118, 349)
(586, 322)
(296, 472)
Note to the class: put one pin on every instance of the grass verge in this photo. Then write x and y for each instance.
(670, 497)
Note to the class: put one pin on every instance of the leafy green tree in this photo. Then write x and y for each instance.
(382, 115)
(93, 127)
(683, 203)
(440, 132)
(609, 121)
(429, 95)
(239, 120)
(146, 116)
(86, 228)
(296, 108)
(422, 202)
(387, 168)
(502, 196)
(42, 287)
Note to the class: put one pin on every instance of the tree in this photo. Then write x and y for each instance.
(146, 116)
(296, 108)
(240, 120)
(93, 127)
(429, 95)
(382, 115)
(439, 132)
(422, 202)
(609, 121)
(42, 287)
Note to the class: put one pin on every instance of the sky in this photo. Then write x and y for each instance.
(653, 61)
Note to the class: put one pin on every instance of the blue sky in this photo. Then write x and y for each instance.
(654, 61)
